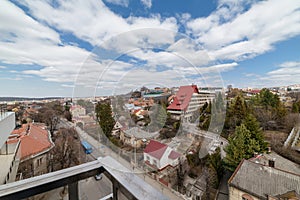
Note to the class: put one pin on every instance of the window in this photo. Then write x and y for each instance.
(39, 161)
(246, 197)
(155, 162)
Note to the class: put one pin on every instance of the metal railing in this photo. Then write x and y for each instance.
(123, 180)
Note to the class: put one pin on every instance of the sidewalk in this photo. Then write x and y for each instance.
(102, 150)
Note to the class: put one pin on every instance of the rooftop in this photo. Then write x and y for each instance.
(280, 162)
(260, 180)
(156, 149)
(183, 97)
(37, 135)
(139, 133)
(174, 155)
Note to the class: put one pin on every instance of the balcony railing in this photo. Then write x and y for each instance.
(123, 180)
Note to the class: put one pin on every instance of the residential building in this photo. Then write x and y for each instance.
(136, 136)
(197, 189)
(77, 111)
(35, 144)
(157, 156)
(187, 101)
(265, 177)
(9, 157)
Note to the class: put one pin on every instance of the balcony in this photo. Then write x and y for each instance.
(124, 182)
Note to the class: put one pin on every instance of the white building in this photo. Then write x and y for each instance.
(9, 157)
(187, 101)
(77, 111)
(158, 155)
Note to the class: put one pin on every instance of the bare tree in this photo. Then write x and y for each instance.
(66, 152)
(51, 119)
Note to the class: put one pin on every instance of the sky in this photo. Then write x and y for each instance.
(108, 47)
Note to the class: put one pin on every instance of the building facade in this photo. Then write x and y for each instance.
(35, 144)
(187, 101)
(157, 156)
(9, 156)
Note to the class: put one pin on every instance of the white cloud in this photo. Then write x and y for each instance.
(124, 3)
(230, 33)
(147, 3)
(2, 67)
(93, 21)
(26, 41)
(290, 64)
(250, 33)
(287, 73)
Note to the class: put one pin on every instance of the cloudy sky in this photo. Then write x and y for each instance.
(94, 47)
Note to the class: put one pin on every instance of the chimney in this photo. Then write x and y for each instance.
(272, 163)
(255, 154)
(269, 150)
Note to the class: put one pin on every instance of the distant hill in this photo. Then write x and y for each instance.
(27, 98)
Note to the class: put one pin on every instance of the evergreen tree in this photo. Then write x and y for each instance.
(215, 163)
(237, 111)
(268, 107)
(105, 118)
(241, 145)
(253, 126)
(205, 116)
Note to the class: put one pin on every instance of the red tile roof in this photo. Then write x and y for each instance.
(183, 97)
(174, 155)
(155, 149)
(33, 142)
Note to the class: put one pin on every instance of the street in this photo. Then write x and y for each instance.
(100, 150)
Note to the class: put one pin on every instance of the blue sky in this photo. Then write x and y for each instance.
(94, 47)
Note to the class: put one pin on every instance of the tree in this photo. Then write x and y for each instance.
(205, 116)
(256, 133)
(237, 111)
(295, 108)
(51, 119)
(216, 165)
(66, 152)
(105, 118)
(180, 177)
(89, 106)
(158, 117)
(268, 108)
(241, 145)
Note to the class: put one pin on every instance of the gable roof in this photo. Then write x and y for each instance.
(260, 180)
(280, 162)
(183, 97)
(33, 142)
(155, 149)
(174, 155)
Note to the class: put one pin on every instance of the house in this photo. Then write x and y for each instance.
(119, 126)
(263, 178)
(157, 156)
(187, 101)
(136, 136)
(34, 147)
(197, 189)
(77, 111)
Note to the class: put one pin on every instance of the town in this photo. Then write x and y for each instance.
(188, 142)
(150, 100)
